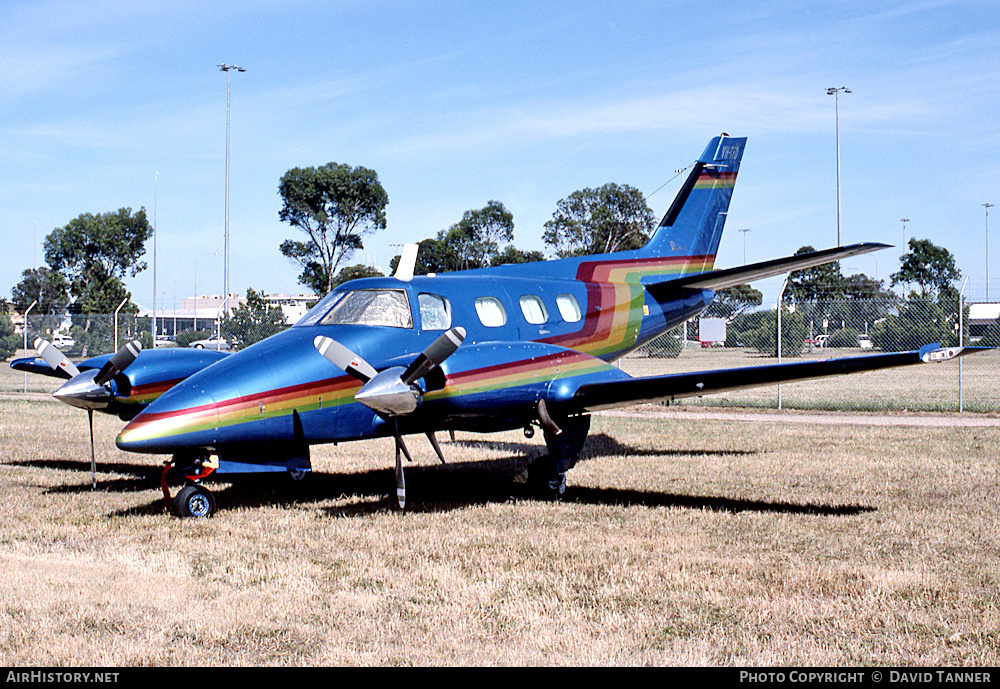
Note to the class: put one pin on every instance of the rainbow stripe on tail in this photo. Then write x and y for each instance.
(691, 230)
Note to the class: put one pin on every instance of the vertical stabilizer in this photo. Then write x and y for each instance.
(693, 225)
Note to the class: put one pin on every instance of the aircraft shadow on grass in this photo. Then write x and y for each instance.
(440, 488)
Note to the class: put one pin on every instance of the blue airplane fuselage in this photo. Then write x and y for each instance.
(566, 334)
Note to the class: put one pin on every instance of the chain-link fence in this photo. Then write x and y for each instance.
(813, 331)
(84, 335)
(81, 336)
(835, 329)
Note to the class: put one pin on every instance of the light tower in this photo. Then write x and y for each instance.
(744, 231)
(987, 206)
(228, 69)
(835, 92)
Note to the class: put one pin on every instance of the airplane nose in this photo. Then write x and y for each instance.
(244, 401)
(182, 418)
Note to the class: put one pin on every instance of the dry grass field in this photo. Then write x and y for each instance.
(679, 542)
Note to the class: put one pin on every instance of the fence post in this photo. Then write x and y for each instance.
(961, 342)
(116, 324)
(26, 340)
(781, 297)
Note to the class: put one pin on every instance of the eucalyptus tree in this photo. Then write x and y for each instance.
(335, 206)
(597, 221)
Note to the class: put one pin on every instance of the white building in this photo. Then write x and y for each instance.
(202, 312)
(981, 317)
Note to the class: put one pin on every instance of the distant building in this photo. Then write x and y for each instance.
(294, 306)
(981, 317)
(203, 311)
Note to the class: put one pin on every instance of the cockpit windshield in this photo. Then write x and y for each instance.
(385, 307)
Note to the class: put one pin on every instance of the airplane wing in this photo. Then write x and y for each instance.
(721, 279)
(618, 393)
(38, 365)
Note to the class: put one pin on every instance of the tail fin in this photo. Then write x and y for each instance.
(693, 226)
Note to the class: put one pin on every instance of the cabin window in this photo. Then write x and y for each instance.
(533, 309)
(385, 307)
(435, 312)
(491, 312)
(569, 308)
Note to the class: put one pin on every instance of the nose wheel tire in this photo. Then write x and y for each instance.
(194, 501)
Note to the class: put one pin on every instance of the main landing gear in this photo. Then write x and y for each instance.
(546, 475)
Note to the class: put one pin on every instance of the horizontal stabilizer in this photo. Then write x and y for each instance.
(721, 279)
(617, 393)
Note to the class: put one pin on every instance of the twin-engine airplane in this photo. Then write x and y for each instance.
(492, 349)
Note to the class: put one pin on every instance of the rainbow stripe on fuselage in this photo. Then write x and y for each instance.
(616, 298)
(465, 391)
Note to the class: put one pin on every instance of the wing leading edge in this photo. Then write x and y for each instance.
(618, 393)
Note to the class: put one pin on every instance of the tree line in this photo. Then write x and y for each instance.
(822, 300)
(336, 206)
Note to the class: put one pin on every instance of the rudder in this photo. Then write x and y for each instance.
(693, 225)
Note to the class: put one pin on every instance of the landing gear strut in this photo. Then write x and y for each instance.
(546, 475)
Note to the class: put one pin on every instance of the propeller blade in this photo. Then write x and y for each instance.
(402, 446)
(54, 358)
(400, 479)
(93, 457)
(118, 362)
(439, 350)
(344, 359)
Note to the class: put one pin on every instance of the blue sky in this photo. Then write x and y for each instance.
(106, 104)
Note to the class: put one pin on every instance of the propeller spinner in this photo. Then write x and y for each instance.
(88, 389)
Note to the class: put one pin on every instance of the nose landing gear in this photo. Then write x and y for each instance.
(194, 499)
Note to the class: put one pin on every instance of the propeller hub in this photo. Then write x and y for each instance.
(388, 395)
(82, 392)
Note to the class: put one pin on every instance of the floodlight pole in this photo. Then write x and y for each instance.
(904, 221)
(152, 326)
(835, 92)
(228, 70)
(987, 206)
